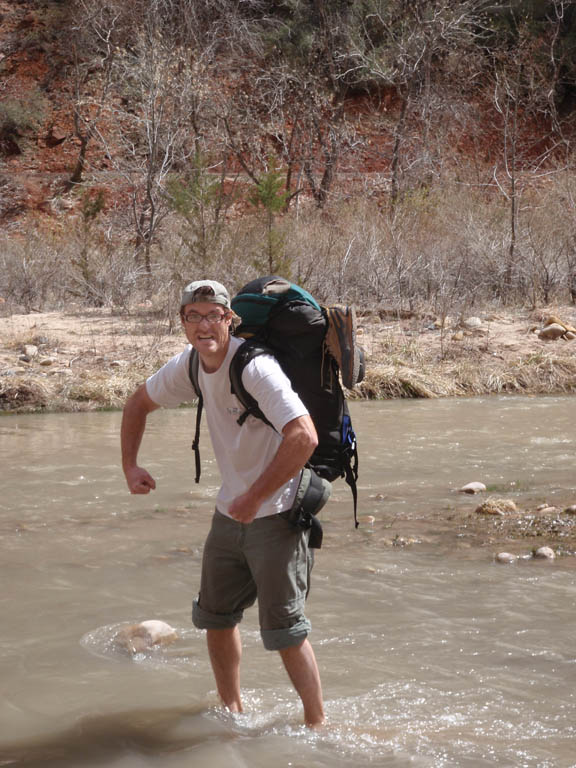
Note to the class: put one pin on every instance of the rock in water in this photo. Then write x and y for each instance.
(496, 507)
(138, 638)
(544, 553)
(473, 488)
(505, 557)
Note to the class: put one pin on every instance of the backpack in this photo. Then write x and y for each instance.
(313, 346)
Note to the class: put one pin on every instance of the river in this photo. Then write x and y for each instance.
(431, 655)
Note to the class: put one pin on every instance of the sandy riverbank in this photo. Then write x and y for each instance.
(87, 359)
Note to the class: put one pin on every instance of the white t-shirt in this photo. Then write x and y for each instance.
(242, 453)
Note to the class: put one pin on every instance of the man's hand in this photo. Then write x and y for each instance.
(244, 508)
(137, 408)
(299, 441)
(139, 481)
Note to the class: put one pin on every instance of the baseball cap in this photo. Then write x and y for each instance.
(205, 290)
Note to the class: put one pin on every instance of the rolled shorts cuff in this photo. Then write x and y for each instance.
(204, 620)
(277, 639)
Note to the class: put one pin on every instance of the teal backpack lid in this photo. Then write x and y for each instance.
(255, 300)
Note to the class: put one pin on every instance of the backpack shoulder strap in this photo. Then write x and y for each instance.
(193, 366)
(243, 355)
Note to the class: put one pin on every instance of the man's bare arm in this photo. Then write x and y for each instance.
(298, 444)
(136, 410)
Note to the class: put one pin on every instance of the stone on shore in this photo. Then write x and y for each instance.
(31, 351)
(571, 510)
(552, 332)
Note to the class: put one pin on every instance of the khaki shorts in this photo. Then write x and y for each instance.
(268, 559)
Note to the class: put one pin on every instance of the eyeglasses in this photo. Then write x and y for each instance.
(212, 317)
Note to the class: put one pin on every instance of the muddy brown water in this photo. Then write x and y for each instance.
(431, 655)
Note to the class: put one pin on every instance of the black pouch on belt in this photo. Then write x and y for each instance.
(312, 494)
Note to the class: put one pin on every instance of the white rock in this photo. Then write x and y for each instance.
(473, 488)
(544, 553)
(30, 350)
(505, 557)
(137, 638)
(158, 630)
(551, 332)
(570, 335)
(472, 322)
(546, 510)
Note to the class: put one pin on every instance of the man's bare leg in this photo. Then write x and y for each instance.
(225, 649)
(302, 669)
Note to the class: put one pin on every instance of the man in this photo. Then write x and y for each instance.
(252, 550)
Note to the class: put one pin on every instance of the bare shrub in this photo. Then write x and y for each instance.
(443, 252)
(31, 273)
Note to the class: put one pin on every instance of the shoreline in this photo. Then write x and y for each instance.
(92, 359)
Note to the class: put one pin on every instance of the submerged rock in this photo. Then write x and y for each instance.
(473, 488)
(505, 557)
(138, 638)
(496, 507)
(544, 553)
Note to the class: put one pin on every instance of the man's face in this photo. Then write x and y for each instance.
(211, 334)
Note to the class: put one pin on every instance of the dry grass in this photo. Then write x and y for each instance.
(531, 376)
(24, 394)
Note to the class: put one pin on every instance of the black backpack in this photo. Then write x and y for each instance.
(284, 320)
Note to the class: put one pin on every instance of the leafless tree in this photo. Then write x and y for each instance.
(416, 50)
(93, 45)
(152, 122)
